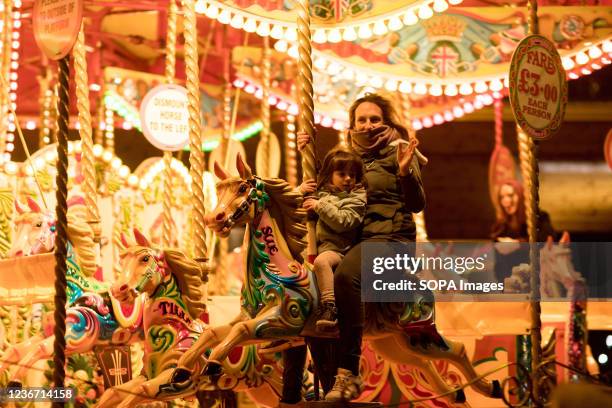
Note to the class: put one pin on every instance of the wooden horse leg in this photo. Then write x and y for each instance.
(16, 353)
(458, 356)
(393, 348)
(240, 332)
(208, 338)
(115, 395)
(147, 390)
(41, 350)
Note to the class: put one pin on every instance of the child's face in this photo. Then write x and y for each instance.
(343, 179)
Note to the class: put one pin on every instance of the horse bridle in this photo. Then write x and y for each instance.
(158, 266)
(242, 208)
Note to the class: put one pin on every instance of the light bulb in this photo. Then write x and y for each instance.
(380, 28)
(319, 36)
(450, 90)
(439, 6)
(225, 17)
(465, 89)
(237, 22)
(410, 18)
(263, 29)
(405, 87)
(425, 12)
(435, 90)
(568, 63)
(349, 34)
(595, 52)
(277, 32)
(364, 32)
(334, 36)
(395, 24)
(582, 58)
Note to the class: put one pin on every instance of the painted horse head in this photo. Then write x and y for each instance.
(243, 199)
(147, 269)
(34, 230)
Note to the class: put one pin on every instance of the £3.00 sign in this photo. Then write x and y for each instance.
(538, 89)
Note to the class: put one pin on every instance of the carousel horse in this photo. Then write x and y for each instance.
(174, 290)
(91, 313)
(279, 293)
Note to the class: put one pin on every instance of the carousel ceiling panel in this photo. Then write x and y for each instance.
(141, 39)
(331, 20)
(469, 45)
(333, 95)
(125, 90)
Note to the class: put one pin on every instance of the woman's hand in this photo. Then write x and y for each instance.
(405, 153)
(310, 203)
(302, 140)
(308, 186)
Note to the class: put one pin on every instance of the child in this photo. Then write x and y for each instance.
(340, 204)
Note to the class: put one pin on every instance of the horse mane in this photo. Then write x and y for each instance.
(189, 276)
(286, 209)
(81, 235)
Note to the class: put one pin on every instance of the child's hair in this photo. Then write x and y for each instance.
(340, 158)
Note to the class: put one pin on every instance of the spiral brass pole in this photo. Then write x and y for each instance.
(196, 156)
(306, 106)
(222, 269)
(529, 171)
(59, 343)
(528, 151)
(170, 74)
(265, 108)
(89, 169)
(419, 218)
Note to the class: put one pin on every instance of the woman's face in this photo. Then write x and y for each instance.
(368, 116)
(508, 199)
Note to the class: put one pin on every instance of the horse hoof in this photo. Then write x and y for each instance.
(180, 375)
(173, 389)
(460, 397)
(14, 384)
(497, 391)
(212, 369)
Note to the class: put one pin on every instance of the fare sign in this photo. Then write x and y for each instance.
(538, 89)
(56, 26)
(165, 118)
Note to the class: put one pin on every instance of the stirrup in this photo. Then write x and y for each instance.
(178, 383)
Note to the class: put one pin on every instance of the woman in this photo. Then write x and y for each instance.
(394, 192)
(510, 229)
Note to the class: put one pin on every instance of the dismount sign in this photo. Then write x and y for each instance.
(56, 26)
(165, 118)
(538, 89)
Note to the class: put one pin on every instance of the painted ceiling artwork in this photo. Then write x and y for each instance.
(465, 45)
(125, 89)
(333, 96)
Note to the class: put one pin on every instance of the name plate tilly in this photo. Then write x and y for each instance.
(538, 88)
(165, 117)
(56, 26)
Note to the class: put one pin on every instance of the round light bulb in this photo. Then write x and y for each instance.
(380, 28)
(465, 89)
(334, 36)
(410, 18)
(237, 22)
(395, 24)
(435, 90)
(450, 90)
(595, 52)
(277, 32)
(582, 58)
(364, 32)
(319, 36)
(568, 63)
(439, 6)
(263, 29)
(405, 87)
(225, 17)
(425, 12)
(349, 34)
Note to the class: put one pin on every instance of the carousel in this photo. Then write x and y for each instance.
(158, 248)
